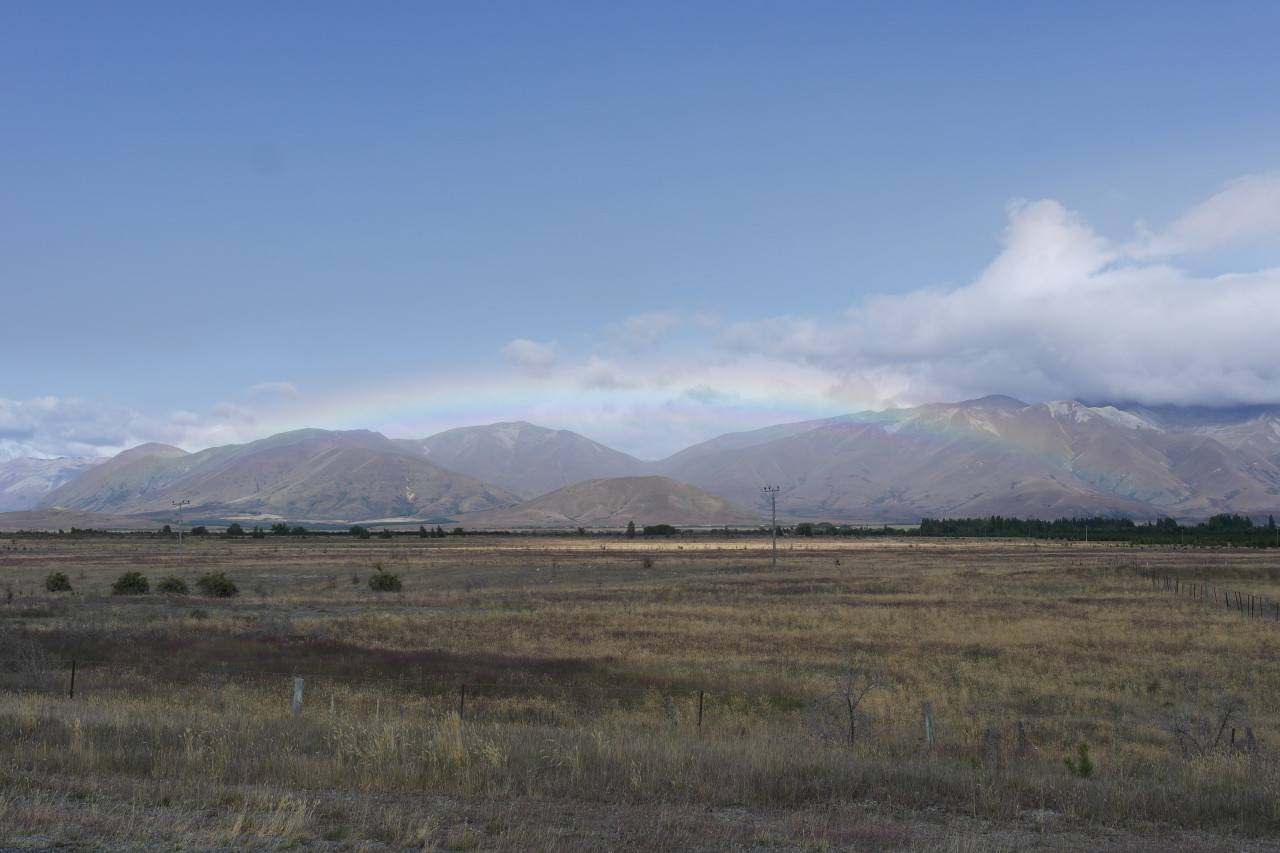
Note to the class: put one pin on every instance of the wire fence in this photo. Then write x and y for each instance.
(838, 716)
(1245, 603)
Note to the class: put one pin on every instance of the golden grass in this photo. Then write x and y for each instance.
(1025, 650)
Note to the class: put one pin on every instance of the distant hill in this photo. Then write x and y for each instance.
(59, 518)
(525, 459)
(734, 442)
(615, 501)
(1048, 460)
(306, 475)
(120, 484)
(24, 482)
(990, 456)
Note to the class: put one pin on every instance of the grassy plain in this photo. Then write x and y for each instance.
(585, 693)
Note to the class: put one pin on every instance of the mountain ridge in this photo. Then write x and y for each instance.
(302, 475)
(992, 455)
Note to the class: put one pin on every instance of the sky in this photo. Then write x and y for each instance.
(650, 223)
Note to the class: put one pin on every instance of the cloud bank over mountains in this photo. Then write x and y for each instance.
(1061, 312)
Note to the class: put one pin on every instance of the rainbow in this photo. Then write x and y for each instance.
(421, 407)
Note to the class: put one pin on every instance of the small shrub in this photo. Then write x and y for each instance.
(1083, 765)
(171, 585)
(57, 582)
(217, 585)
(131, 583)
(384, 581)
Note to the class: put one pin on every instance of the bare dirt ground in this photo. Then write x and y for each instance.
(576, 826)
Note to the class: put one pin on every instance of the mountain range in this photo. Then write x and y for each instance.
(25, 482)
(991, 456)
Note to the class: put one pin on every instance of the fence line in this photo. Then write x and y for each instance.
(470, 695)
(1245, 603)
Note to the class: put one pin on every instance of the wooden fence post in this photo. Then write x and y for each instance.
(297, 696)
(699, 710)
(926, 709)
(71, 693)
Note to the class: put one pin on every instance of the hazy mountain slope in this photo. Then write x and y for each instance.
(1260, 435)
(735, 441)
(58, 518)
(1183, 419)
(307, 475)
(616, 501)
(952, 460)
(123, 481)
(525, 459)
(25, 482)
(993, 455)
(1222, 480)
(1104, 449)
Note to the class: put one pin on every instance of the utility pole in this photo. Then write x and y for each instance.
(180, 505)
(772, 492)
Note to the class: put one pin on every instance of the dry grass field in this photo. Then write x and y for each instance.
(584, 693)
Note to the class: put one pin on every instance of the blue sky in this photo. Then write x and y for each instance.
(651, 223)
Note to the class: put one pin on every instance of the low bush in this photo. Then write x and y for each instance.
(57, 582)
(384, 581)
(217, 585)
(131, 583)
(172, 585)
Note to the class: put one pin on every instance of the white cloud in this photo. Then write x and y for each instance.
(643, 332)
(706, 395)
(49, 427)
(1060, 312)
(599, 373)
(535, 359)
(1247, 210)
(274, 391)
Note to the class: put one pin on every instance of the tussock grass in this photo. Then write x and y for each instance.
(584, 668)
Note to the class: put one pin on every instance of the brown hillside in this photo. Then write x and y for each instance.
(615, 501)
